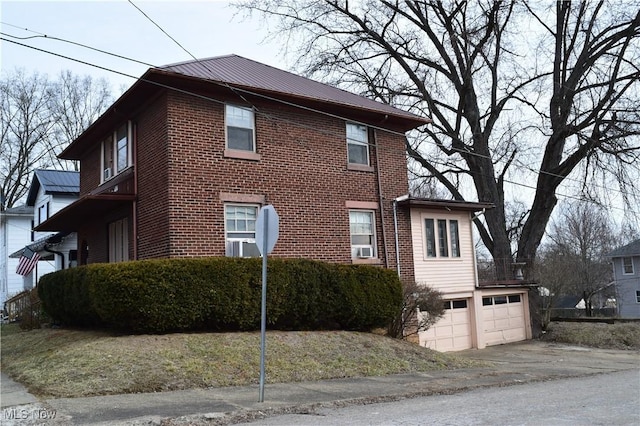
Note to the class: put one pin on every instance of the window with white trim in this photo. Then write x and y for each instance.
(442, 238)
(363, 238)
(240, 125)
(637, 296)
(240, 230)
(627, 265)
(501, 300)
(43, 212)
(116, 151)
(357, 144)
(119, 240)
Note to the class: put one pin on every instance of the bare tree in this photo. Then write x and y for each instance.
(542, 94)
(25, 127)
(576, 259)
(422, 307)
(75, 104)
(39, 118)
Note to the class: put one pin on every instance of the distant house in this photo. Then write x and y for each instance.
(626, 275)
(444, 259)
(15, 231)
(50, 191)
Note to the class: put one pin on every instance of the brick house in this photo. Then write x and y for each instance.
(179, 165)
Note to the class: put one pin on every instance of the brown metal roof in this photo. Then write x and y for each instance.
(246, 77)
(242, 72)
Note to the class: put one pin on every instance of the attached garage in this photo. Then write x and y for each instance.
(504, 318)
(453, 331)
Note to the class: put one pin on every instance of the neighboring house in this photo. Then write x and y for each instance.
(626, 275)
(15, 231)
(181, 163)
(444, 259)
(50, 191)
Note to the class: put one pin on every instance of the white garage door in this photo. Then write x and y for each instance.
(503, 319)
(453, 331)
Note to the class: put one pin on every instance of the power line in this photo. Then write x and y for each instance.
(188, 52)
(236, 90)
(161, 29)
(48, 37)
(268, 116)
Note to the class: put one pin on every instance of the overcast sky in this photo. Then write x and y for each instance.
(205, 28)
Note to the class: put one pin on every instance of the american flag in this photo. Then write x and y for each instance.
(27, 261)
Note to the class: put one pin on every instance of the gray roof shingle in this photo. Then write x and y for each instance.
(631, 249)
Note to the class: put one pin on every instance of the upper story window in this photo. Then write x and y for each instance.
(240, 128)
(240, 228)
(116, 151)
(43, 212)
(627, 265)
(357, 144)
(363, 238)
(447, 240)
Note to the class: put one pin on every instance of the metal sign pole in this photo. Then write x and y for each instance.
(263, 325)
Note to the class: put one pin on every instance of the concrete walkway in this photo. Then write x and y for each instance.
(510, 364)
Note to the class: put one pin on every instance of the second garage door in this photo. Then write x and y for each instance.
(503, 319)
(453, 331)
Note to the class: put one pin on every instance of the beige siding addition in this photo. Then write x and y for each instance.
(447, 274)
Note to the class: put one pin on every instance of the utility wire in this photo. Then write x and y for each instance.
(521, 165)
(188, 52)
(77, 44)
(268, 116)
(161, 29)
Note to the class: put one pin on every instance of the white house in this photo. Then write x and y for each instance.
(50, 191)
(15, 231)
(444, 259)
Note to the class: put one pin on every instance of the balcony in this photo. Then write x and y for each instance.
(506, 273)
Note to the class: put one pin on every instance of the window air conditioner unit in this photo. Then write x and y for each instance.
(365, 252)
(233, 248)
(107, 173)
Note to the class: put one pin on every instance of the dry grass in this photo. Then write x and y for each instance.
(72, 363)
(597, 335)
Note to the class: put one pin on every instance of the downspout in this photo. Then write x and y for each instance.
(381, 201)
(134, 213)
(395, 234)
(56, 252)
(395, 229)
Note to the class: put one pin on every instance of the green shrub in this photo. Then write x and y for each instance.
(222, 294)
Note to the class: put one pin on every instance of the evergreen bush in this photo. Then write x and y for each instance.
(165, 295)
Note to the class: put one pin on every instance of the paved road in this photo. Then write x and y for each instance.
(603, 399)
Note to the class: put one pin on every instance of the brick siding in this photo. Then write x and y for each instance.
(181, 172)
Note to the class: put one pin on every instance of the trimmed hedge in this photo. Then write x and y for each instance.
(221, 294)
